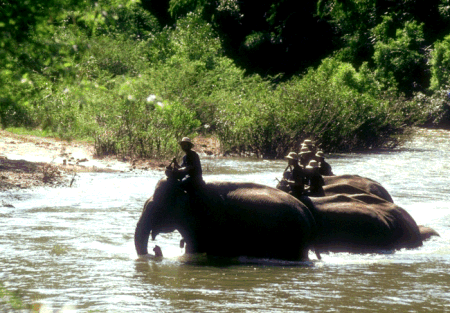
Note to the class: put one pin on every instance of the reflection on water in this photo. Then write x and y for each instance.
(74, 246)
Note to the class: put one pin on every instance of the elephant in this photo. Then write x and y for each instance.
(229, 219)
(363, 223)
(354, 184)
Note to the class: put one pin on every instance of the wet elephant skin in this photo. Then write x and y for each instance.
(229, 219)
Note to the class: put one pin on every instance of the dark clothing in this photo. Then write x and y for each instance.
(316, 183)
(192, 161)
(192, 178)
(325, 169)
(296, 175)
(305, 158)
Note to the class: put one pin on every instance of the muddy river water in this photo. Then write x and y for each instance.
(73, 247)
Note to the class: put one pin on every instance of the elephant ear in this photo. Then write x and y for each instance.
(170, 199)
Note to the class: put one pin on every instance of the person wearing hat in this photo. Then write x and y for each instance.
(324, 167)
(310, 144)
(293, 176)
(190, 170)
(308, 151)
(306, 155)
(315, 180)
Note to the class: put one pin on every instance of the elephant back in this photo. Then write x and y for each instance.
(363, 223)
(262, 215)
(367, 185)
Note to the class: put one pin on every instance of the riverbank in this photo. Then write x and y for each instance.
(29, 161)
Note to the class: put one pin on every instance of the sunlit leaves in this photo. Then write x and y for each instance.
(399, 56)
(440, 64)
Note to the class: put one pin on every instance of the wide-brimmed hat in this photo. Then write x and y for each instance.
(320, 154)
(304, 150)
(186, 139)
(292, 156)
(307, 142)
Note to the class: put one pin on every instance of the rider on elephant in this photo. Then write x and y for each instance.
(293, 176)
(306, 155)
(308, 143)
(324, 167)
(190, 170)
(315, 180)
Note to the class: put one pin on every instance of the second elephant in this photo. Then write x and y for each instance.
(354, 184)
(362, 223)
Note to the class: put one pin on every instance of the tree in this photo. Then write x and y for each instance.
(264, 37)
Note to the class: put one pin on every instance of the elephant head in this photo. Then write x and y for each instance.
(161, 214)
(229, 219)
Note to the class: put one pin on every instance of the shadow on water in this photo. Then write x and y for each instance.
(203, 260)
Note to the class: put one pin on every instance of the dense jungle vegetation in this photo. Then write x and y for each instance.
(136, 76)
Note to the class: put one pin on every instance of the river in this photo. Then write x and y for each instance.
(74, 248)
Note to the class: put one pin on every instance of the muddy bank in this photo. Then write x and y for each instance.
(29, 161)
(20, 174)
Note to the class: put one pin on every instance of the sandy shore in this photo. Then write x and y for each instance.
(29, 161)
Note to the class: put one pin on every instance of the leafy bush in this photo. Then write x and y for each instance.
(436, 106)
(144, 127)
(12, 114)
(15, 96)
(440, 64)
(340, 108)
(399, 59)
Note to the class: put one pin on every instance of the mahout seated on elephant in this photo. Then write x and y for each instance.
(314, 179)
(324, 166)
(364, 223)
(294, 178)
(234, 219)
(190, 171)
(299, 181)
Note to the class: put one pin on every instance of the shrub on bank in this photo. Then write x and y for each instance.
(436, 106)
(440, 64)
(341, 108)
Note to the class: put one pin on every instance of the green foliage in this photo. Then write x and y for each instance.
(440, 64)
(11, 298)
(107, 72)
(353, 19)
(444, 9)
(341, 108)
(393, 37)
(14, 111)
(127, 20)
(142, 126)
(435, 106)
(396, 58)
(179, 8)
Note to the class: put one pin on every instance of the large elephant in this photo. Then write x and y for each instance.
(354, 184)
(363, 223)
(229, 219)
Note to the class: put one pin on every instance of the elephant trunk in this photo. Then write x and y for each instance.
(142, 232)
(141, 238)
